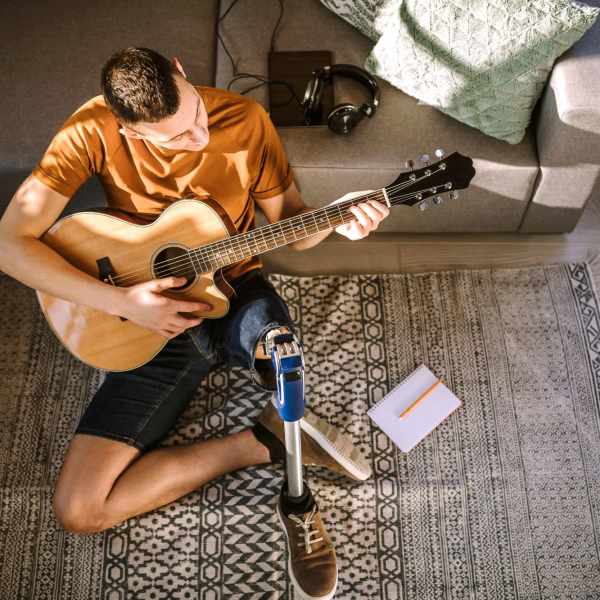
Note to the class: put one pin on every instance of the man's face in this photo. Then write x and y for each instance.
(187, 129)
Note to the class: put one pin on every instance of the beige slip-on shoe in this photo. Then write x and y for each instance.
(323, 445)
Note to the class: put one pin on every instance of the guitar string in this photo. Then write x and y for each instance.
(237, 244)
(201, 257)
(207, 254)
(184, 266)
(285, 228)
(204, 255)
(261, 238)
(189, 266)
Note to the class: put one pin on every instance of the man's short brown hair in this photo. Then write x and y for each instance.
(138, 84)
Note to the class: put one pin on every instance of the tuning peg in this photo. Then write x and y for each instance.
(439, 153)
(423, 205)
(425, 159)
(410, 164)
(437, 199)
(453, 195)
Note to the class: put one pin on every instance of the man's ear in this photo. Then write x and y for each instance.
(178, 66)
(123, 130)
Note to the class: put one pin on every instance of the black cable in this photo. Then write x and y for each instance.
(277, 25)
(264, 80)
(233, 65)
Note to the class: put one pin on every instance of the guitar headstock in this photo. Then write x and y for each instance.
(446, 176)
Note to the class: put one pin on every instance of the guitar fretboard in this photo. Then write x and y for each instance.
(269, 237)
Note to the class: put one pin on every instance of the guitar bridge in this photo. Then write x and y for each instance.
(106, 272)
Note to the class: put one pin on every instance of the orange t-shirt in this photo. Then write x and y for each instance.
(244, 160)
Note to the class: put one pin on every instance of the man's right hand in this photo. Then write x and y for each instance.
(145, 305)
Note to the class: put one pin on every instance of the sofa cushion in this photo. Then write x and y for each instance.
(52, 55)
(483, 62)
(327, 165)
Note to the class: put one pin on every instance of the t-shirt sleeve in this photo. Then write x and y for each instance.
(274, 174)
(74, 154)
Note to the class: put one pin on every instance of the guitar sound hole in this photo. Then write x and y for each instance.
(174, 261)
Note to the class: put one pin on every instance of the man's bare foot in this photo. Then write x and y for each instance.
(251, 447)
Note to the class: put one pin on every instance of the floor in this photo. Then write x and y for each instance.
(393, 253)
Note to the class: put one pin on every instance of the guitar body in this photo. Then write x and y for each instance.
(135, 252)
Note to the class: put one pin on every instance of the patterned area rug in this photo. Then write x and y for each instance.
(501, 501)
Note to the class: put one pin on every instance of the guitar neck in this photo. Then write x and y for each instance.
(269, 237)
(415, 187)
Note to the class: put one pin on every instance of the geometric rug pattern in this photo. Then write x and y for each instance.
(501, 501)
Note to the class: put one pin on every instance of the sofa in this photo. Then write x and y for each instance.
(53, 52)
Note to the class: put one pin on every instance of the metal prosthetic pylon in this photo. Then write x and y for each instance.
(288, 364)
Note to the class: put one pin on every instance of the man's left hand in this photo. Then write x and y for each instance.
(368, 216)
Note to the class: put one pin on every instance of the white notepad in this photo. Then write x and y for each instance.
(422, 416)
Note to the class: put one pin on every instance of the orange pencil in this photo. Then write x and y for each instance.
(421, 397)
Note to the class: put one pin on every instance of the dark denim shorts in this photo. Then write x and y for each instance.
(139, 407)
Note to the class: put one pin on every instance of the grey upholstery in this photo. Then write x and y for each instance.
(568, 138)
(52, 53)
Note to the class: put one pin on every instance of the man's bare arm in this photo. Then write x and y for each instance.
(33, 209)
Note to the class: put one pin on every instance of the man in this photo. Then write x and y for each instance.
(153, 138)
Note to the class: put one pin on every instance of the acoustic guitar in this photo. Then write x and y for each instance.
(195, 239)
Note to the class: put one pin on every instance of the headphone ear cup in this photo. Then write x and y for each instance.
(312, 95)
(343, 117)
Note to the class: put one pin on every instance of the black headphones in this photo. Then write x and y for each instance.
(342, 117)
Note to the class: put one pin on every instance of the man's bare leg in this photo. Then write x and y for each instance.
(104, 482)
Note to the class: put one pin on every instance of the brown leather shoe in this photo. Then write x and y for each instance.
(322, 444)
(312, 563)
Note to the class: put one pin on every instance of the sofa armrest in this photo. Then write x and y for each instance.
(568, 138)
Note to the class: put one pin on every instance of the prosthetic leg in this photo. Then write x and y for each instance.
(288, 365)
(313, 578)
